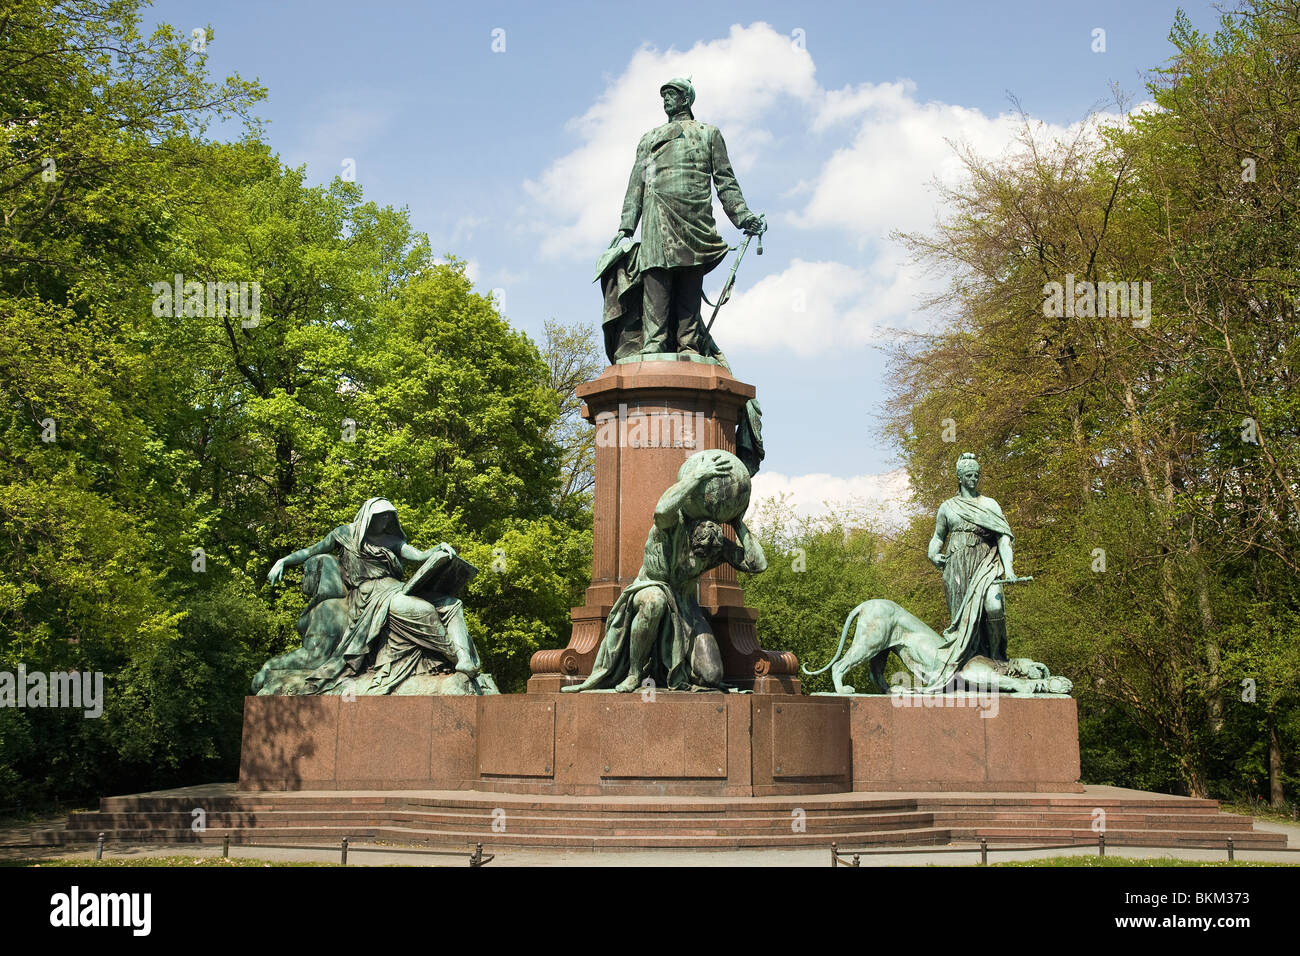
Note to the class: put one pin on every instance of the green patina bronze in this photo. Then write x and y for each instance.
(978, 557)
(365, 630)
(653, 288)
(656, 635)
(972, 650)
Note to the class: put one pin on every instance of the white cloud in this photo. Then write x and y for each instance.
(738, 79)
(817, 307)
(465, 227)
(884, 180)
(883, 501)
(868, 154)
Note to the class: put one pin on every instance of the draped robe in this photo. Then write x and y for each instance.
(974, 526)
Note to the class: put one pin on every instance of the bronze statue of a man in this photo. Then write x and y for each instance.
(670, 192)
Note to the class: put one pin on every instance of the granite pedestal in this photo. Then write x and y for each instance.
(650, 417)
(718, 745)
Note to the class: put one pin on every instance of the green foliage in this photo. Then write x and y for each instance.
(156, 861)
(817, 571)
(156, 460)
(1150, 470)
(1092, 862)
(530, 576)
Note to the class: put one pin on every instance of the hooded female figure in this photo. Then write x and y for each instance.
(370, 553)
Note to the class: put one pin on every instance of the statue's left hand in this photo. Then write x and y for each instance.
(276, 573)
(755, 225)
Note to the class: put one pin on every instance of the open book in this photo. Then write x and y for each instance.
(443, 574)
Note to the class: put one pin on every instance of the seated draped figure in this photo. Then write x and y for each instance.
(366, 630)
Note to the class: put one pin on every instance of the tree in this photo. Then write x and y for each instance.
(1149, 467)
(817, 571)
(96, 143)
(161, 450)
(573, 357)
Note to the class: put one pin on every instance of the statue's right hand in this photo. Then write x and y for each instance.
(619, 238)
(715, 467)
(940, 561)
(276, 572)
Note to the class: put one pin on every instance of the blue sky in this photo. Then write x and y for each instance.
(834, 114)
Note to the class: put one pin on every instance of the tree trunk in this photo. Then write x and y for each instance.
(1274, 763)
(1213, 653)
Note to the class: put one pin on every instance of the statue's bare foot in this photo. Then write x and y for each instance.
(628, 684)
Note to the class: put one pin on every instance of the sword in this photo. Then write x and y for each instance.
(1014, 580)
(731, 278)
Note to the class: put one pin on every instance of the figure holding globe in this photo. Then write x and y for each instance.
(656, 634)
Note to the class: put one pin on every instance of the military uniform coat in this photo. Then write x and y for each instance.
(670, 192)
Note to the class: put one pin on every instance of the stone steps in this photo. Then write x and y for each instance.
(457, 818)
(458, 838)
(628, 824)
(1114, 821)
(280, 800)
(515, 821)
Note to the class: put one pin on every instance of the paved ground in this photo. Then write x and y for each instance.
(362, 854)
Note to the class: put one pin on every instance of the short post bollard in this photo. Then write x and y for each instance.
(344, 860)
(1101, 844)
(1230, 855)
(225, 845)
(856, 861)
(99, 847)
(984, 852)
(835, 854)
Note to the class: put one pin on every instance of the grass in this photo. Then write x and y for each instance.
(1259, 810)
(187, 861)
(1101, 861)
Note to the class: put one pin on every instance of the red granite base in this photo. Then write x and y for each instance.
(967, 743)
(581, 744)
(730, 745)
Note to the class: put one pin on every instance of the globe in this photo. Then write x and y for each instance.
(723, 498)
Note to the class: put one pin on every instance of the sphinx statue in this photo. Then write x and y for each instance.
(972, 650)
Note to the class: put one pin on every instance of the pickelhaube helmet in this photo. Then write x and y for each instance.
(683, 86)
